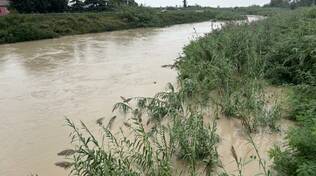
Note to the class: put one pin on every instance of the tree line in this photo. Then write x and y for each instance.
(51, 6)
(291, 3)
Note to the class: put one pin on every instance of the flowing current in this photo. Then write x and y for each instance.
(79, 77)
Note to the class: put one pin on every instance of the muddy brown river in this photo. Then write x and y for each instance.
(81, 77)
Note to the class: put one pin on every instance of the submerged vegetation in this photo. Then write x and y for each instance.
(227, 71)
(148, 149)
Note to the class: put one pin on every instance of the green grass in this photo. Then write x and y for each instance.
(26, 27)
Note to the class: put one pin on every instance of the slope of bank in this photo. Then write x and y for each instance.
(239, 63)
(27, 27)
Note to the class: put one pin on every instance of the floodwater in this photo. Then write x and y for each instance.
(79, 77)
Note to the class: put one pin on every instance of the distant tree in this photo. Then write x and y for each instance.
(39, 6)
(108, 4)
(299, 3)
(57, 5)
(185, 3)
(77, 5)
(24, 6)
(279, 3)
(123, 2)
(97, 4)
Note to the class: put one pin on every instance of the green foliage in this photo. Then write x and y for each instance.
(195, 141)
(140, 16)
(292, 4)
(25, 27)
(293, 60)
(300, 3)
(279, 3)
(151, 151)
(40, 6)
(228, 62)
(17, 28)
(49, 6)
(76, 5)
(233, 64)
(263, 11)
(299, 156)
(235, 61)
(122, 157)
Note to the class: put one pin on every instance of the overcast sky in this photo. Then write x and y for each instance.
(212, 3)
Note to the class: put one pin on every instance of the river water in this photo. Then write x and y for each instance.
(79, 77)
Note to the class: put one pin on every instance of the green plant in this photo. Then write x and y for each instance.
(151, 151)
(298, 158)
(195, 142)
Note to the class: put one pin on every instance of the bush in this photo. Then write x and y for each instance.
(140, 17)
(293, 61)
(299, 157)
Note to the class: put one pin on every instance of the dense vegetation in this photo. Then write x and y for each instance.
(292, 4)
(279, 50)
(299, 157)
(26, 27)
(227, 70)
(49, 6)
(41, 6)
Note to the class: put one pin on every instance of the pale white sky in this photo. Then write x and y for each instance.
(212, 3)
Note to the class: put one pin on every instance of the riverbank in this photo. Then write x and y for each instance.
(234, 74)
(27, 27)
(240, 63)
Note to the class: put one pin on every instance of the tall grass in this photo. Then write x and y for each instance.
(147, 150)
(236, 61)
(239, 61)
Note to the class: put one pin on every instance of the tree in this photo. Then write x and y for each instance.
(185, 4)
(123, 2)
(24, 6)
(39, 6)
(279, 3)
(97, 4)
(76, 5)
(299, 3)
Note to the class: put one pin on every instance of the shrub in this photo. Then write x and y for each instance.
(140, 16)
(298, 158)
(293, 61)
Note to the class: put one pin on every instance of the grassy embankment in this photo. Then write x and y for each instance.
(240, 62)
(26, 27)
(229, 71)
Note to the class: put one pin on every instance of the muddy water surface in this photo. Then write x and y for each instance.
(81, 77)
